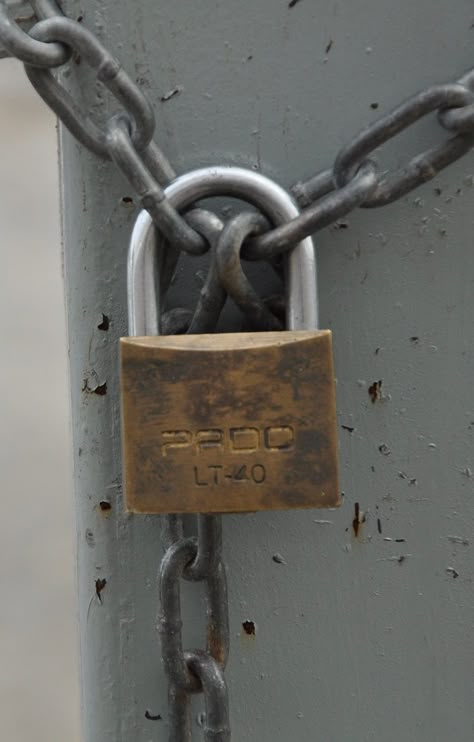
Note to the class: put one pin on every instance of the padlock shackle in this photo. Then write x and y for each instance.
(144, 257)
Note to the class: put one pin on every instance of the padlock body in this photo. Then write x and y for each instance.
(229, 422)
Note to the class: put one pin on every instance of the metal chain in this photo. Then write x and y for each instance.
(45, 40)
(198, 560)
(196, 671)
(352, 182)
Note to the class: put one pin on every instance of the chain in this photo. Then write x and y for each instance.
(195, 671)
(198, 560)
(39, 35)
(353, 181)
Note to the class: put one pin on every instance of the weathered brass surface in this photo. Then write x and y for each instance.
(229, 422)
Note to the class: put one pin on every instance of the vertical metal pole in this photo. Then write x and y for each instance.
(361, 633)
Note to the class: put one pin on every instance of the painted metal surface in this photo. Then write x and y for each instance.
(362, 619)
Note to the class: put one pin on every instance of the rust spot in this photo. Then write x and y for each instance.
(105, 324)
(374, 106)
(249, 627)
(358, 519)
(152, 717)
(100, 583)
(127, 200)
(214, 641)
(375, 391)
(105, 506)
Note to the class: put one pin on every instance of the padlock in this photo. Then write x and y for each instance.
(231, 422)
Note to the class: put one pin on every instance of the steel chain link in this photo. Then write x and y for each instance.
(44, 39)
(196, 671)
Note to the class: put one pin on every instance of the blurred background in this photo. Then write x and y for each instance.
(39, 687)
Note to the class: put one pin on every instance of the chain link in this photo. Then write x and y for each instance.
(24, 47)
(75, 38)
(421, 168)
(327, 197)
(127, 139)
(195, 671)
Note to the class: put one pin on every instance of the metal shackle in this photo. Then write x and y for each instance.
(146, 251)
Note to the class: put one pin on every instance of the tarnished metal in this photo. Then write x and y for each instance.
(189, 385)
(216, 719)
(314, 188)
(46, 8)
(212, 296)
(326, 197)
(226, 423)
(170, 624)
(24, 15)
(179, 715)
(173, 567)
(230, 270)
(17, 43)
(173, 226)
(109, 72)
(195, 671)
(421, 168)
(147, 246)
(460, 119)
(316, 216)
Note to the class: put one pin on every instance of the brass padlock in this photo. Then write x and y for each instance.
(227, 422)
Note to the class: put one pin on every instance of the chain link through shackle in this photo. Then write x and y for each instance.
(45, 40)
(353, 181)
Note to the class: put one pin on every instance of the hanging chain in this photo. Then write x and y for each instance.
(195, 671)
(39, 35)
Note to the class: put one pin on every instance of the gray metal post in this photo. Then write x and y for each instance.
(363, 630)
